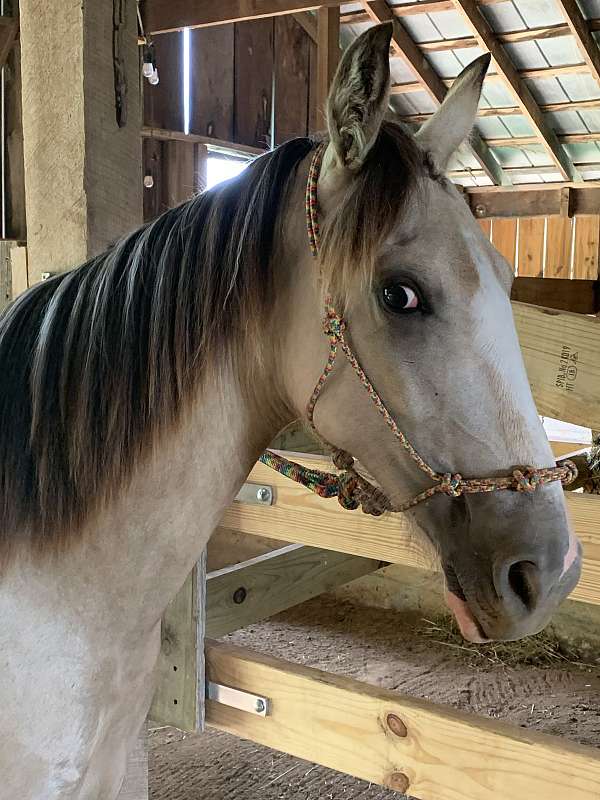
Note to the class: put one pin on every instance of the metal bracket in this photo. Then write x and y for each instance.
(256, 494)
(235, 698)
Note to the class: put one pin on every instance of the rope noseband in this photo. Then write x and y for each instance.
(351, 488)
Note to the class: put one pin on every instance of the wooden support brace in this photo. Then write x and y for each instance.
(410, 745)
(328, 54)
(261, 587)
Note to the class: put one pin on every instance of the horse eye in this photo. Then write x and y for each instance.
(399, 298)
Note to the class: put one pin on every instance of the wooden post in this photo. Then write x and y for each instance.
(81, 129)
(328, 53)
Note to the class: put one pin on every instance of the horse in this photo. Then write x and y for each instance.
(139, 389)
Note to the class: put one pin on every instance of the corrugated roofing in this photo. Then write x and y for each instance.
(572, 84)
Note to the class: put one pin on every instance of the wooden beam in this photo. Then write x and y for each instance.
(218, 145)
(261, 587)
(580, 29)
(299, 516)
(482, 31)
(82, 150)
(179, 698)
(163, 16)
(309, 22)
(577, 296)
(414, 746)
(429, 80)
(328, 54)
(501, 111)
(9, 29)
(536, 200)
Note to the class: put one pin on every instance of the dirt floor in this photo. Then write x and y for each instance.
(534, 685)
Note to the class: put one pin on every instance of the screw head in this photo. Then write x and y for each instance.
(480, 210)
(263, 494)
(260, 705)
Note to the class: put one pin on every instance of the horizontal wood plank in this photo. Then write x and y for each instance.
(530, 201)
(256, 589)
(346, 725)
(562, 357)
(577, 296)
(302, 517)
(162, 16)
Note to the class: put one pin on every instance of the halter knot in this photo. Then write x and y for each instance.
(334, 325)
(452, 485)
(527, 479)
(570, 473)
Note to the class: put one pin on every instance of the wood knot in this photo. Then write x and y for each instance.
(398, 781)
(395, 724)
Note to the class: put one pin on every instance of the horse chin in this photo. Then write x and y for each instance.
(469, 627)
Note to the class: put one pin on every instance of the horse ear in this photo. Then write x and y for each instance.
(358, 98)
(454, 120)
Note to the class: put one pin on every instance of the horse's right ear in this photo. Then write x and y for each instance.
(358, 98)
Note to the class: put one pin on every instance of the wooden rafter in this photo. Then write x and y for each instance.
(430, 81)
(503, 111)
(524, 74)
(486, 38)
(163, 16)
(581, 32)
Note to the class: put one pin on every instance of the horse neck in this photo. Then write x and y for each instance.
(144, 544)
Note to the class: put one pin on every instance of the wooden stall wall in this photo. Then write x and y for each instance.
(251, 83)
(565, 250)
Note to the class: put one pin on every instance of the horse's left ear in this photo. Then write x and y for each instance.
(453, 121)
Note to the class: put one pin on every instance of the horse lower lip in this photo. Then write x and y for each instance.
(470, 627)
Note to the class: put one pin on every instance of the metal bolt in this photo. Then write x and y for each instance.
(240, 595)
(263, 494)
(46, 275)
(260, 705)
(480, 211)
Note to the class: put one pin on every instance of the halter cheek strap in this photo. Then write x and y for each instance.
(351, 488)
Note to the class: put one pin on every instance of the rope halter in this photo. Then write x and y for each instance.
(352, 489)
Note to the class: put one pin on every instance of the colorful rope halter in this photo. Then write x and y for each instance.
(351, 488)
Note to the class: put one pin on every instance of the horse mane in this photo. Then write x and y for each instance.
(99, 362)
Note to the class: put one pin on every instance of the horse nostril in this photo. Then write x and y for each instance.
(524, 581)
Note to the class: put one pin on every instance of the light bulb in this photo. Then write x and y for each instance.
(148, 181)
(153, 79)
(148, 69)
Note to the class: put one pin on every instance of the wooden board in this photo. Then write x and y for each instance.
(486, 227)
(587, 244)
(562, 358)
(253, 82)
(302, 517)
(163, 103)
(179, 700)
(315, 119)
(256, 589)
(531, 247)
(292, 77)
(135, 784)
(212, 81)
(578, 296)
(534, 201)
(504, 238)
(16, 224)
(177, 174)
(444, 754)
(559, 233)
